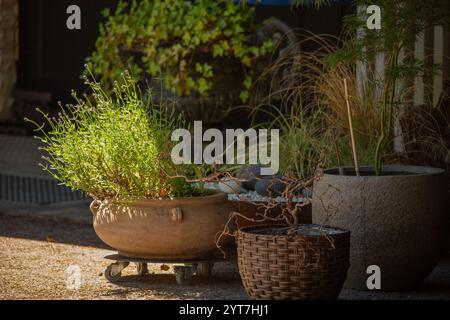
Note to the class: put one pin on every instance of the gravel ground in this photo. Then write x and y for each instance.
(35, 255)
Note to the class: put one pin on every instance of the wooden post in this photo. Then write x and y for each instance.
(350, 123)
(8, 46)
(419, 54)
(438, 59)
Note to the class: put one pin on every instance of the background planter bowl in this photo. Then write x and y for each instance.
(178, 229)
(229, 186)
(399, 222)
(305, 266)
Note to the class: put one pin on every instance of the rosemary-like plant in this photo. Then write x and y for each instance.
(113, 143)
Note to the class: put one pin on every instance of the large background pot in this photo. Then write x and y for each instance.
(178, 229)
(399, 222)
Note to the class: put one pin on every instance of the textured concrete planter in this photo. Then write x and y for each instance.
(399, 222)
(178, 229)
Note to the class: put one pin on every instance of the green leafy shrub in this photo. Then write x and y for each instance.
(113, 143)
(166, 37)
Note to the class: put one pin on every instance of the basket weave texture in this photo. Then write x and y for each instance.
(293, 267)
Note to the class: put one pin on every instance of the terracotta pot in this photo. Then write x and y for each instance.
(398, 222)
(178, 229)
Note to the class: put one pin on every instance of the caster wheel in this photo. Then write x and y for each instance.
(142, 268)
(204, 269)
(110, 276)
(114, 271)
(183, 275)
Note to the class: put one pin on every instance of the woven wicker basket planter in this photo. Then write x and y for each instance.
(307, 265)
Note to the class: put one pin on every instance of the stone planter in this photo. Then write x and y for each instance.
(167, 229)
(398, 221)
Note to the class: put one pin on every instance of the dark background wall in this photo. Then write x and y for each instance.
(51, 57)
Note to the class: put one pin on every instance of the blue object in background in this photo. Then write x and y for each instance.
(288, 2)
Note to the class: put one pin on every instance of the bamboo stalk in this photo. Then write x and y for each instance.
(350, 123)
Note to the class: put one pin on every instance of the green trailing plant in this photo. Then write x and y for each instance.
(114, 143)
(167, 37)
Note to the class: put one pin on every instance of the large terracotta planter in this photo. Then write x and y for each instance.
(178, 229)
(399, 222)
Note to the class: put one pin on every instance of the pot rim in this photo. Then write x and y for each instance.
(412, 171)
(216, 196)
(327, 228)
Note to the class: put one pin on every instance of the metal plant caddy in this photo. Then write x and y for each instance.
(183, 270)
